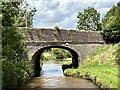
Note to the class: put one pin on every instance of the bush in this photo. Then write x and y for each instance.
(61, 53)
(19, 72)
(55, 54)
(15, 69)
(25, 72)
(9, 71)
(47, 56)
(111, 25)
(72, 72)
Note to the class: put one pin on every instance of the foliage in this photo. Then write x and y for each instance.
(15, 64)
(56, 28)
(111, 25)
(25, 15)
(72, 72)
(12, 41)
(55, 54)
(9, 70)
(118, 55)
(18, 72)
(47, 56)
(89, 19)
(18, 15)
(61, 53)
(100, 67)
(66, 62)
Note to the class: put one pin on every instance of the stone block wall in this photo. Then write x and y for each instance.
(51, 35)
(82, 42)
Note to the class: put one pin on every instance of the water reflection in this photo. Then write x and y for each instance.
(52, 77)
(52, 69)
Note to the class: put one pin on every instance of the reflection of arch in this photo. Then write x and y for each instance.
(36, 58)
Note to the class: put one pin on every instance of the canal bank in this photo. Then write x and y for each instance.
(52, 77)
(101, 67)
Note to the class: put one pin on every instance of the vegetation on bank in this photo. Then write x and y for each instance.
(101, 66)
(16, 68)
(111, 25)
(55, 54)
(66, 62)
(15, 74)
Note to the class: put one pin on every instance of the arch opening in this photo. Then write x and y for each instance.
(37, 55)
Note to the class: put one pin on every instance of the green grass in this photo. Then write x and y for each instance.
(100, 67)
(66, 62)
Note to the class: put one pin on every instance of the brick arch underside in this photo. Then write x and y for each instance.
(36, 58)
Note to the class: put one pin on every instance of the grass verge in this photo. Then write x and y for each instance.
(100, 67)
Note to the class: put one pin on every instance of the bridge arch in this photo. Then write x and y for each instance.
(37, 54)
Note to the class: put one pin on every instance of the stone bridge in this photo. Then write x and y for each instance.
(78, 43)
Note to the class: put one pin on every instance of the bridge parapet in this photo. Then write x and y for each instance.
(63, 36)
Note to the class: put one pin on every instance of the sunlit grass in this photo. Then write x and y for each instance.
(66, 62)
(100, 67)
(108, 75)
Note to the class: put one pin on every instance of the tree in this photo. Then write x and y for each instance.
(89, 20)
(12, 41)
(15, 63)
(111, 25)
(60, 53)
(25, 14)
(13, 16)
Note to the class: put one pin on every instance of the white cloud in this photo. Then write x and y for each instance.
(69, 22)
(64, 12)
(52, 4)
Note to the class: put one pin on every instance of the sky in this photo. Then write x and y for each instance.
(63, 13)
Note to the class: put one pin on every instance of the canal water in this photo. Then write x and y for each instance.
(52, 77)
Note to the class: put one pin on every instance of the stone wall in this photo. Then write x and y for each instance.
(82, 42)
(71, 36)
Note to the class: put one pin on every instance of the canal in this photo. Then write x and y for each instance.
(52, 77)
